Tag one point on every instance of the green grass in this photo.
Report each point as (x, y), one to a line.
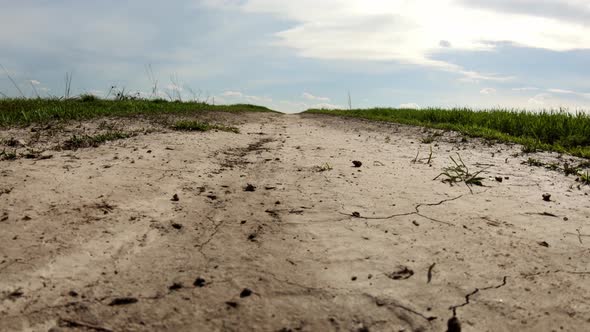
(555, 131)
(8, 155)
(23, 112)
(459, 172)
(86, 141)
(189, 125)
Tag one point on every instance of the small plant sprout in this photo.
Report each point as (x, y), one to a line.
(459, 172)
(584, 178)
(427, 160)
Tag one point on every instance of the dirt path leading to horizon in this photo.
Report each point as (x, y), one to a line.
(163, 232)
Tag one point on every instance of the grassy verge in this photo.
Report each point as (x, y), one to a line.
(186, 125)
(554, 131)
(22, 112)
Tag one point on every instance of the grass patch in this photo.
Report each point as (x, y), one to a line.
(186, 125)
(534, 162)
(8, 155)
(23, 112)
(555, 131)
(86, 141)
(459, 172)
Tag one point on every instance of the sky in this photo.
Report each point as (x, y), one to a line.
(291, 55)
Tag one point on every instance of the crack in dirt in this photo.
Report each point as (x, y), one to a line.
(579, 235)
(216, 228)
(477, 290)
(416, 212)
(527, 275)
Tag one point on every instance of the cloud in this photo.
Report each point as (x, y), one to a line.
(562, 91)
(409, 105)
(525, 89)
(403, 31)
(540, 99)
(488, 91)
(570, 92)
(232, 94)
(325, 106)
(567, 10)
(444, 43)
(236, 95)
(34, 82)
(309, 96)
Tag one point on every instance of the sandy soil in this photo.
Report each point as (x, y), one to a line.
(94, 239)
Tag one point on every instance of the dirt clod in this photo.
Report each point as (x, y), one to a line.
(403, 273)
(232, 304)
(543, 243)
(547, 197)
(245, 292)
(123, 301)
(177, 226)
(357, 163)
(175, 198)
(250, 188)
(199, 282)
(175, 286)
(16, 294)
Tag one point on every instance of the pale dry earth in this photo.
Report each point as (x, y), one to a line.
(92, 240)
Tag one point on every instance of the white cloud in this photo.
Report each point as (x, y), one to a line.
(488, 91)
(325, 106)
(258, 99)
(412, 32)
(540, 99)
(309, 96)
(232, 94)
(241, 97)
(570, 92)
(526, 88)
(409, 105)
(562, 91)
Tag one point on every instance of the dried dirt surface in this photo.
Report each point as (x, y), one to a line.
(275, 229)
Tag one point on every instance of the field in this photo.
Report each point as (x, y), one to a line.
(139, 215)
(22, 112)
(554, 131)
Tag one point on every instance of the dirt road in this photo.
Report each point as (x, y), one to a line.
(273, 229)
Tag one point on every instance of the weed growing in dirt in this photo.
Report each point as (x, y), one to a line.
(86, 141)
(584, 178)
(534, 162)
(459, 172)
(8, 155)
(421, 160)
(428, 139)
(186, 125)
